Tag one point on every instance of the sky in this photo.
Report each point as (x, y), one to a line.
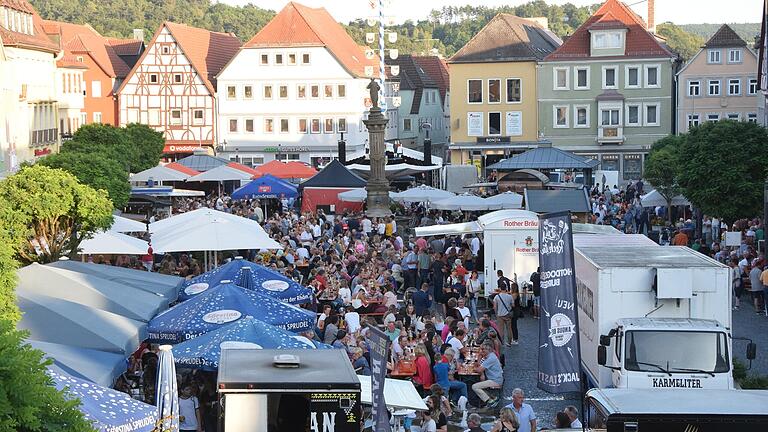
(676, 11)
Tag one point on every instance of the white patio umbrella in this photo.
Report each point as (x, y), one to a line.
(159, 174)
(111, 242)
(123, 225)
(221, 173)
(654, 199)
(465, 202)
(167, 396)
(508, 200)
(422, 193)
(358, 195)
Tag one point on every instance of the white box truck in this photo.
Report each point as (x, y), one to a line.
(654, 317)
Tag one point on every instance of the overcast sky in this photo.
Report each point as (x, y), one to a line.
(677, 11)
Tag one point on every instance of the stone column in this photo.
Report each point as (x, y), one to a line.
(378, 185)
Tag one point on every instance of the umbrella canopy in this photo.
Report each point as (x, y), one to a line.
(508, 200)
(251, 276)
(285, 170)
(160, 174)
(655, 199)
(359, 195)
(266, 186)
(203, 352)
(423, 193)
(221, 173)
(222, 305)
(101, 367)
(209, 230)
(113, 243)
(465, 202)
(167, 395)
(123, 224)
(109, 410)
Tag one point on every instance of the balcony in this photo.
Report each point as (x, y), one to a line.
(610, 135)
(44, 136)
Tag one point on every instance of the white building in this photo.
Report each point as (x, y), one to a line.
(69, 94)
(290, 95)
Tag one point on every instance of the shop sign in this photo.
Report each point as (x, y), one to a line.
(493, 139)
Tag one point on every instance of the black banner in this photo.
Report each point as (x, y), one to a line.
(559, 360)
(379, 349)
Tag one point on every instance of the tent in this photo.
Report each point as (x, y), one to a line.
(423, 193)
(203, 352)
(266, 186)
(113, 243)
(260, 278)
(101, 367)
(323, 189)
(123, 225)
(220, 174)
(359, 195)
(221, 305)
(508, 200)
(465, 202)
(161, 173)
(655, 199)
(89, 290)
(286, 170)
(109, 410)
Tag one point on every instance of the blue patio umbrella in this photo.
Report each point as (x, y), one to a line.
(222, 305)
(266, 186)
(203, 352)
(262, 280)
(167, 396)
(108, 410)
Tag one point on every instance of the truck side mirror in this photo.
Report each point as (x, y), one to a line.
(751, 351)
(605, 340)
(602, 355)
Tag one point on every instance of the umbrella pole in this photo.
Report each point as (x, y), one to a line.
(205, 260)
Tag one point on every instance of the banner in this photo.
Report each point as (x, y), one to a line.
(559, 360)
(379, 348)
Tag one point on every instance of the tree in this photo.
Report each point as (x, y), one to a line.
(96, 171)
(57, 211)
(661, 169)
(722, 167)
(682, 42)
(106, 140)
(149, 145)
(8, 309)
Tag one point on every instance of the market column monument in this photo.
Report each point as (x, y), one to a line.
(378, 186)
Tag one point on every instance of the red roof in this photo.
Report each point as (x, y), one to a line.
(126, 47)
(181, 168)
(297, 25)
(70, 62)
(36, 41)
(19, 5)
(612, 14)
(285, 170)
(437, 69)
(84, 39)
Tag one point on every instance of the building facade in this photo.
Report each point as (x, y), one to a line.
(172, 86)
(69, 93)
(493, 90)
(291, 95)
(607, 92)
(719, 82)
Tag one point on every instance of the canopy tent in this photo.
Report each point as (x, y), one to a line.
(398, 394)
(155, 283)
(161, 173)
(49, 319)
(465, 202)
(109, 410)
(414, 157)
(122, 225)
(286, 170)
(423, 193)
(359, 195)
(221, 173)
(113, 243)
(545, 157)
(392, 171)
(90, 291)
(508, 200)
(203, 352)
(200, 161)
(259, 278)
(655, 199)
(221, 305)
(101, 367)
(323, 189)
(266, 186)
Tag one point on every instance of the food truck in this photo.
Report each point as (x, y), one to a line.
(288, 390)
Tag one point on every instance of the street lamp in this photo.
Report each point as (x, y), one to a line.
(342, 150)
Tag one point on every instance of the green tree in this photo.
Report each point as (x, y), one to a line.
(96, 171)
(8, 308)
(107, 140)
(58, 211)
(661, 168)
(682, 42)
(722, 167)
(149, 145)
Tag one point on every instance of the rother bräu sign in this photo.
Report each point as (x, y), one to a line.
(559, 361)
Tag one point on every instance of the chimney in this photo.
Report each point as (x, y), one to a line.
(138, 34)
(651, 16)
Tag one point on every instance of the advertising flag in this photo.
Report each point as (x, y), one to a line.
(379, 349)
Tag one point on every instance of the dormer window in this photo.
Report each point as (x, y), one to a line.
(16, 21)
(608, 42)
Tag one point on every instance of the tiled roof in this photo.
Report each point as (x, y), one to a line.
(508, 38)
(207, 51)
(83, 39)
(126, 47)
(725, 37)
(297, 25)
(19, 5)
(639, 42)
(36, 41)
(69, 61)
(437, 69)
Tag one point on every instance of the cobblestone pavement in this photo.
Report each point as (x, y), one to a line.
(746, 323)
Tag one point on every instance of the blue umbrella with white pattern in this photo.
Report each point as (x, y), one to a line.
(107, 409)
(167, 396)
(203, 352)
(222, 305)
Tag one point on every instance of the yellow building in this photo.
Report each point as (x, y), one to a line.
(493, 96)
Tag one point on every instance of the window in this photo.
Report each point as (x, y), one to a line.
(693, 120)
(581, 116)
(406, 124)
(95, 89)
(475, 91)
(231, 92)
(752, 117)
(494, 91)
(153, 78)
(303, 127)
(284, 126)
(694, 88)
(633, 77)
(166, 50)
(291, 59)
(713, 117)
(561, 78)
(752, 86)
(734, 55)
(341, 125)
(278, 59)
(314, 91)
(233, 125)
(633, 115)
(328, 91)
(609, 77)
(734, 116)
(582, 78)
(97, 117)
(301, 91)
(652, 76)
(494, 123)
(315, 125)
(561, 116)
(176, 117)
(607, 40)
(269, 125)
(609, 117)
(734, 87)
(514, 90)
(283, 92)
(249, 125)
(713, 87)
(198, 117)
(341, 91)
(248, 92)
(328, 126)
(652, 114)
(265, 59)
(714, 56)
(177, 78)
(267, 92)
(305, 58)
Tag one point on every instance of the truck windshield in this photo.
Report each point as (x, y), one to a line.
(676, 351)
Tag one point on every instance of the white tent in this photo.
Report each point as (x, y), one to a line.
(111, 242)
(465, 202)
(159, 174)
(422, 193)
(359, 195)
(654, 199)
(392, 171)
(156, 283)
(508, 200)
(221, 173)
(123, 225)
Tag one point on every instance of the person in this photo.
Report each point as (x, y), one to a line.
(490, 368)
(148, 259)
(428, 424)
(524, 412)
(507, 421)
(441, 421)
(352, 319)
(473, 292)
(562, 421)
(442, 377)
(680, 239)
(341, 340)
(503, 304)
(464, 312)
(189, 411)
(422, 301)
(331, 328)
(423, 378)
(573, 417)
(536, 285)
(359, 362)
(736, 283)
(756, 285)
(764, 280)
(392, 331)
(474, 422)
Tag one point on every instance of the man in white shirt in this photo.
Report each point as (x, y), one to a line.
(381, 227)
(573, 414)
(474, 245)
(464, 311)
(366, 225)
(306, 237)
(525, 414)
(189, 411)
(457, 341)
(352, 319)
(303, 253)
(317, 230)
